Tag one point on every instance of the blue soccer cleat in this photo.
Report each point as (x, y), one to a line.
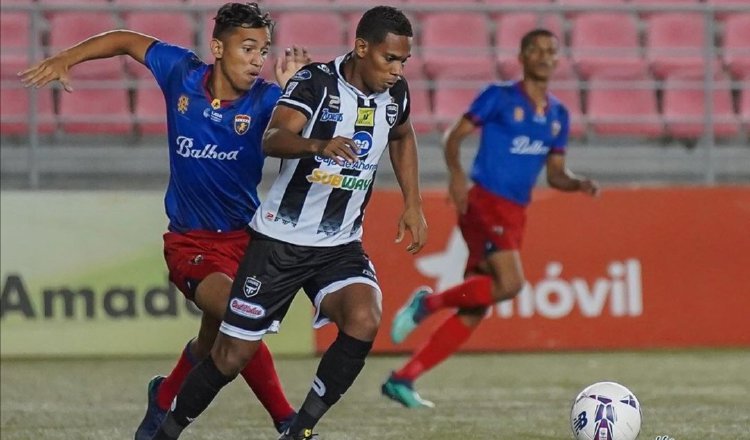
(154, 415)
(409, 316)
(403, 392)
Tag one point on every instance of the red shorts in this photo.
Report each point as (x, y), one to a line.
(491, 223)
(193, 256)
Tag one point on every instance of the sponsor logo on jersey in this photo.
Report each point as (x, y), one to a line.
(518, 114)
(251, 287)
(327, 115)
(349, 183)
(556, 126)
(324, 68)
(290, 88)
(365, 117)
(182, 104)
(302, 75)
(241, 124)
(185, 149)
(524, 145)
(212, 115)
(246, 309)
(363, 140)
(358, 165)
(391, 113)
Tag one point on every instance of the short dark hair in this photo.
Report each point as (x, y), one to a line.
(530, 36)
(379, 21)
(247, 15)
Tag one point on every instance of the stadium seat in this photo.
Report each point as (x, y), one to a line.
(684, 106)
(14, 111)
(588, 3)
(737, 45)
(149, 2)
(179, 32)
(320, 32)
(509, 30)
(421, 112)
(101, 111)
(606, 45)
(571, 98)
(722, 14)
(14, 33)
(451, 101)
(622, 108)
(676, 43)
(456, 45)
(150, 112)
(745, 108)
(68, 28)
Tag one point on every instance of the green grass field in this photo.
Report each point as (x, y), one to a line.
(686, 395)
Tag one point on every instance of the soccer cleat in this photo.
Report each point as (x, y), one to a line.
(283, 425)
(409, 316)
(154, 415)
(403, 393)
(305, 434)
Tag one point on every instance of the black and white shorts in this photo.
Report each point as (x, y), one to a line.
(271, 274)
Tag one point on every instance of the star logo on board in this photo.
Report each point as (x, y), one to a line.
(447, 266)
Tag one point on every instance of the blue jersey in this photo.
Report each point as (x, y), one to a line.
(516, 139)
(215, 154)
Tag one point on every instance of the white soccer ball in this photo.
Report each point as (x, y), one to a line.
(606, 411)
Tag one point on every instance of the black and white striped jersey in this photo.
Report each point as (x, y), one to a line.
(314, 201)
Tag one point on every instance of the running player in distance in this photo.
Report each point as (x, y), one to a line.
(523, 129)
(212, 191)
(330, 127)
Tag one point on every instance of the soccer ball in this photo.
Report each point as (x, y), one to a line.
(605, 411)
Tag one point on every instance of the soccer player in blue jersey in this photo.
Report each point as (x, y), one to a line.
(523, 129)
(216, 115)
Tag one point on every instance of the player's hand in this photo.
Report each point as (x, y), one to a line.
(51, 69)
(590, 187)
(340, 149)
(458, 192)
(413, 219)
(294, 59)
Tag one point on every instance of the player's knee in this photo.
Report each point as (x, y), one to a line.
(230, 358)
(362, 322)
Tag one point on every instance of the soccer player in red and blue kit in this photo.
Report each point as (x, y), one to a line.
(523, 128)
(216, 115)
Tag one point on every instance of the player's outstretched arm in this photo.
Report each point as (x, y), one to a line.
(561, 178)
(282, 139)
(105, 45)
(458, 186)
(403, 151)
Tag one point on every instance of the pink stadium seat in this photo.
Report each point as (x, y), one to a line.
(150, 112)
(14, 33)
(509, 30)
(103, 111)
(179, 32)
(585, 3)
(451, 101)
(68, 28)
(684, 108)
(571, 98)
(737, 45)
(149, 2)
(295, 28)
(606, 45)
(414, 69)
(721, 14)
(675, 43)
(745, 107)
(14, 108)
(421, 113)
(456, 45)
(617, 108)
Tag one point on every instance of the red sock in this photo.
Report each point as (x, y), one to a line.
(475, 291)
(260, 375)
(172, 383)
(444, 342)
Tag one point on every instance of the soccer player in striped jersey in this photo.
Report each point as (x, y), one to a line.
(524, 128)
(330, 128)
(216, 115)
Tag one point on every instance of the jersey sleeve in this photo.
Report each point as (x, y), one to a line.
(162, 59)
(303, 91)
(485, 105)
(560, 142)
(406, 106)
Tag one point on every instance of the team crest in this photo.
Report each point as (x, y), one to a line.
(182, 104)
(366, 117)
(518, 114)
(251, 287)
(391, 113)
(555, 128)
(241, 124)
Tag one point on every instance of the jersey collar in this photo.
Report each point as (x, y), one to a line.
(339, 63)
(532, 104)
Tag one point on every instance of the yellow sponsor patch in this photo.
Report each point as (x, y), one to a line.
(366, 117)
